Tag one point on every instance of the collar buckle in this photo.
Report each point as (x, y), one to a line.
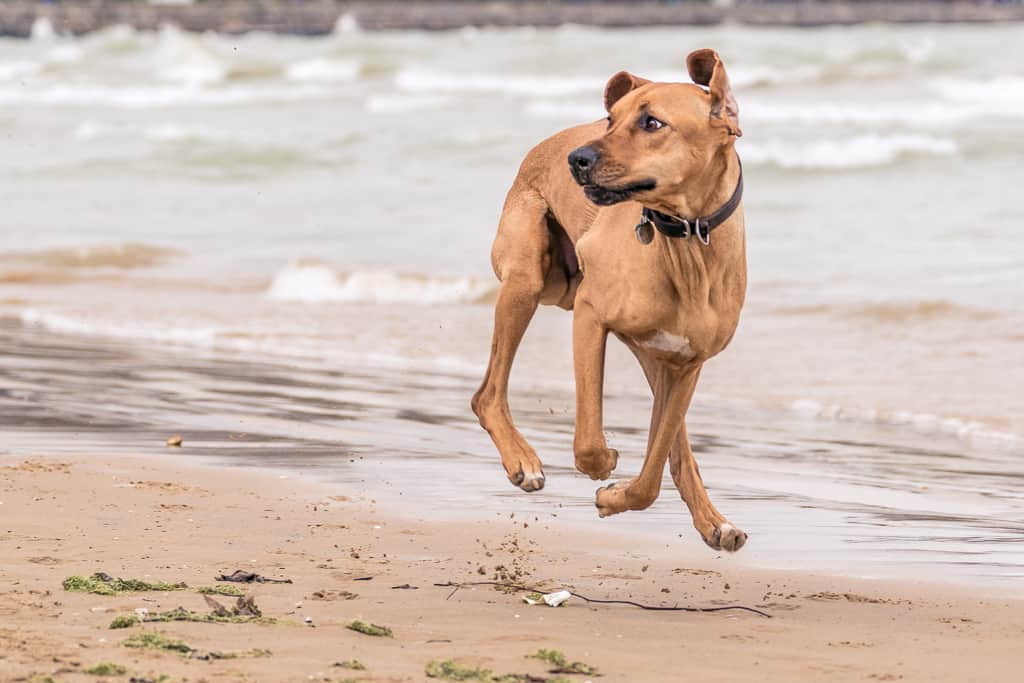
(703, 232)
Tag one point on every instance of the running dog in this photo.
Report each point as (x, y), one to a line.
(640, 235)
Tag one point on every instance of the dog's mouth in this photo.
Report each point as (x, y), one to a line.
(606, 196)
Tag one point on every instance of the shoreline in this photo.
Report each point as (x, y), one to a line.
(319, 17)
(349, 557)
(798, 487)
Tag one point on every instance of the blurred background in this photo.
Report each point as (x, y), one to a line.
(314, 187)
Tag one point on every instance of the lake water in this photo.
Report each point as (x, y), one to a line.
(297, 231)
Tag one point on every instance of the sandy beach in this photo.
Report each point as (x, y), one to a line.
(276, 246)
(348, 558)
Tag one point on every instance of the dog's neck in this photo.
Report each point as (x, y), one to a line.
(709, 189)
(696, 268)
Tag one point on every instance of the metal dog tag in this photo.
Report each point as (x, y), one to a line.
(644, 231)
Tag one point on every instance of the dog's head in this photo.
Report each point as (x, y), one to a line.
(660, 135)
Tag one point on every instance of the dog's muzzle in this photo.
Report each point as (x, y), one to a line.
(582, 161)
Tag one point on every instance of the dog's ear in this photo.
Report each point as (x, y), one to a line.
(620, 84)
(706, 68)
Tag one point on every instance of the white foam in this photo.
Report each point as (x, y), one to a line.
(14, 70)
(393, 104)
(417, 79)
(930, 113)
(57, 322)
(314, 283)
(1005, 91)
(182, 58)
(42, 29)
(926, 423)
(574, 111)
(171, 132)
(420, 80)
(323, 71)
(148, 97)
(65, 55)
(347, 25)
(861, 151)
(89, 130)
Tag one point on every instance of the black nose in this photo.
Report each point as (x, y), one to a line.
(581, 162)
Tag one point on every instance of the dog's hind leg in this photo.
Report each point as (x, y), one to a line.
(712, 525)
(589, 341)
(521, 259)
(673, 389)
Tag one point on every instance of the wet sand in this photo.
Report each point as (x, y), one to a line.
(845, 498)
(366, 494)
(349, 557)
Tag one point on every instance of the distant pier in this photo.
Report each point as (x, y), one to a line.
(318, 17)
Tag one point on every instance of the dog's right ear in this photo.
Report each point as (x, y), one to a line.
(620, 84)
(706, 68)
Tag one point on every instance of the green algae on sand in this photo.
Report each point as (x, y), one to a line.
(104, 584)
(182, 614)
(448, 670)
(106, 669)
(152, 640)
(562, 665)
(360, 626)
(353, 664)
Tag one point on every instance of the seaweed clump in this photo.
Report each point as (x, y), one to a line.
(562, 665)
(151, 640)
(363, 627)
(105, 584)
(124, 621)
(107, 669)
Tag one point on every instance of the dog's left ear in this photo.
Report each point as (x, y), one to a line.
(620, 84)
(706, 68)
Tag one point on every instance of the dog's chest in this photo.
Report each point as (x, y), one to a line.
(638, 295)
(666, 342)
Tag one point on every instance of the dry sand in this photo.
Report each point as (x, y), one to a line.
(165, 521)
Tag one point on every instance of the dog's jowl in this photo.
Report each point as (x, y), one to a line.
(640, 235)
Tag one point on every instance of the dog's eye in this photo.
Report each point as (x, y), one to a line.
(650, 123)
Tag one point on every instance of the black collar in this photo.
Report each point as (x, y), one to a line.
(682, 227)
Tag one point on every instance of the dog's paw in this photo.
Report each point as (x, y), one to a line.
(526, 475)
(528, 481)
(598, 464)
(611, 499)
(726, 537)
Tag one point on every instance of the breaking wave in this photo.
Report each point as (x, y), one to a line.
(123, 256)
(926, 423)
(323, 70)
(314, 283)
(153, 96)
(421, 80)
(862, 151)
(893, 311)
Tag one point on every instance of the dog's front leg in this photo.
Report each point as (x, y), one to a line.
(712, 525)
(589, 340)
(520, 256)
(673, 389)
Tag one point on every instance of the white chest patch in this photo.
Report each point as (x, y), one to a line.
(671, 343)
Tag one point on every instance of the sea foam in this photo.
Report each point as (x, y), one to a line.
(860, 151)
(319, 283)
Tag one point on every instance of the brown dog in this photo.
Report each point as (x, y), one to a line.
(673, 297)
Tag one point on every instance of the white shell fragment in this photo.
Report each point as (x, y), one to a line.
(557, 598)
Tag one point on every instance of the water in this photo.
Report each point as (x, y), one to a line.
(330, 202)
